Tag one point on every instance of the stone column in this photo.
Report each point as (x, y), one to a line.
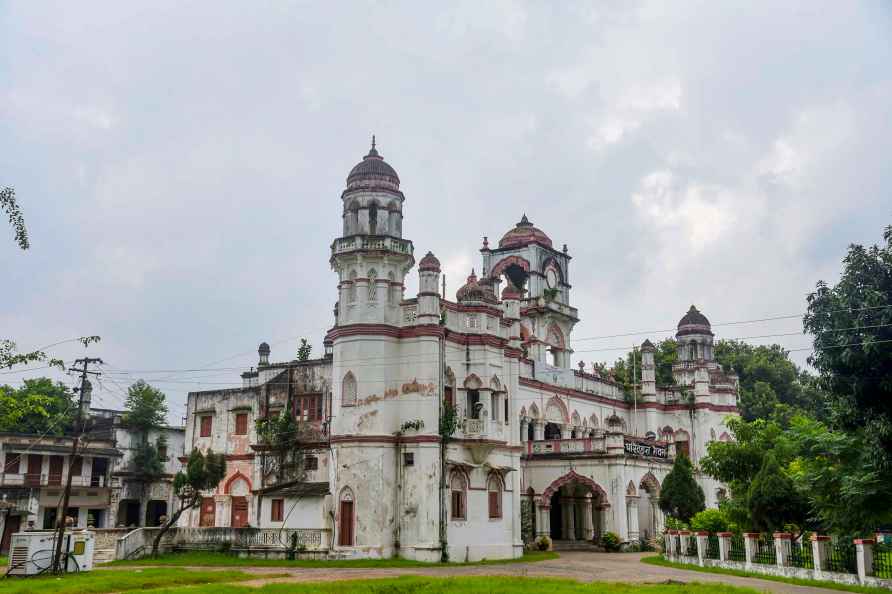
(820, 553)
(632, 517)
(671, 543)
(588, 529)
(523, 430)
(702, 537)
(538, 430)
(569, 517)
(604, 519)
(543, 521)
(783, 548)
(750, 542)
(724, 545)
(864, 557)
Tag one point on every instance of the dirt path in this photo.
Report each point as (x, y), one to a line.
(582, 566)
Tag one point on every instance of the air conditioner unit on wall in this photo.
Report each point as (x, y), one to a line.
(31, 553)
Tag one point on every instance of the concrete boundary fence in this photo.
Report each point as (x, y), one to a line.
(861, 563)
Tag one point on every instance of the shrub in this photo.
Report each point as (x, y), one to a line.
(675, 524)
(543, 543)
(611, 542)
(711, 520)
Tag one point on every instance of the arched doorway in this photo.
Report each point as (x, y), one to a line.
(552, 431)
(649, 514)
(154, 510)
(575, 503)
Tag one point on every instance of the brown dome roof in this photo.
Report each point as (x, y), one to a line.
(471, 290)
(429, 262)
(693, 322)
(371, 170)
(524, 233)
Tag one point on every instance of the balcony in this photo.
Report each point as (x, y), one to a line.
(51, 480)
(565, 446)
(371, 242)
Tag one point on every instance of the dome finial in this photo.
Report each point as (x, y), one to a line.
(373, 142)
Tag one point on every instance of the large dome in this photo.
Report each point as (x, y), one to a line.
(694, 322)
(373, 170)
(524, 233)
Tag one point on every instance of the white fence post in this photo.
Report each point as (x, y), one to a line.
(820, 554)
(702, 546)
(783, 548)
(750, 542)
(724, 545)
(864, 556)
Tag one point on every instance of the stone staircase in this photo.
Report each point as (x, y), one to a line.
(576, 545)
(103, 555)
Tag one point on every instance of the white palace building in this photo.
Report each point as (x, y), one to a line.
(538, 448)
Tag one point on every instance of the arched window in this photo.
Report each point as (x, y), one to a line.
(345, 518)
(373, 285)
(348, 390)
(351, 219)
(494, 492)
(373, 219)
(392, 295)
(458, 487)
(552, 431)
(531, 431)
(693, 347)
(351, 288)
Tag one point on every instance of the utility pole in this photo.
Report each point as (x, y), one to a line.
(83, 410)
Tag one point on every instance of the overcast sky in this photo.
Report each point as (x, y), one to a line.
(180, 167)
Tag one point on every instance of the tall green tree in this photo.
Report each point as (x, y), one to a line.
(304, 350)
(203, 473)
(39, 406)
(680, 496)
(146, 411)
(773, 500)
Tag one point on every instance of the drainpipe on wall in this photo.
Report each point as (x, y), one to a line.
(444, 550)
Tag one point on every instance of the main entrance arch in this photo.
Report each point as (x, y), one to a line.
(573, 508)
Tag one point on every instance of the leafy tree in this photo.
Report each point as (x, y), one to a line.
(39, 406)
(665, 356)
(9, 205)
(767, 377)
(852, 326)
(773, 500)
(844, 476)
(681, 497)
(203, 473)
(304, 350)
(711, 520)
(146, 411)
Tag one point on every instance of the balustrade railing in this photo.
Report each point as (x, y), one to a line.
(247, 538)
(565, 446)
(349, 244)
(53, 479)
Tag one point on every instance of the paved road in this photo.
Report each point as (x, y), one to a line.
(582, 566)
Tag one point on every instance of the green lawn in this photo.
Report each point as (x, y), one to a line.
(658, 560)
(97, 582)
(462, 585)
(213, 559)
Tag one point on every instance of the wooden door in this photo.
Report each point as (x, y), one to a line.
(239, 518)
(345, 524)
(35, 464)
(208, 514)
(56, 463)
(13, 523)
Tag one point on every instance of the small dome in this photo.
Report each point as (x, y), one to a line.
(429, 262)
(647, 345)
(373, 170)
(471, 291)
(263, 349)
(524, 233)
(694, 322)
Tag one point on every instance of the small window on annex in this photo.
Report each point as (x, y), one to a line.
(458, 492)
(241, 424)
(206, 424)
(311, 463)
(277, 507)
(494, 492)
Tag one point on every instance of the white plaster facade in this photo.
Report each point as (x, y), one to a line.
(529, 428)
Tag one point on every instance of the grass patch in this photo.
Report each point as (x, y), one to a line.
(465, 585)
(657, 560)
(215, 559)
(98, 582)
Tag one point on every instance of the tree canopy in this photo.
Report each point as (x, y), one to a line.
(39, 406)
(146, 407)
(680, 496)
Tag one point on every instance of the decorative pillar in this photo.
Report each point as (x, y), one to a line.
(538, 430)
(750, 542)
(820, 549)
(604, 519)
(702, 537)
(588, 530)
(724, 545)
(543, 523)
(864, 557)
(632, 517)
(568, 506)
(524, 424)
(783, 548)
(671, 543)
